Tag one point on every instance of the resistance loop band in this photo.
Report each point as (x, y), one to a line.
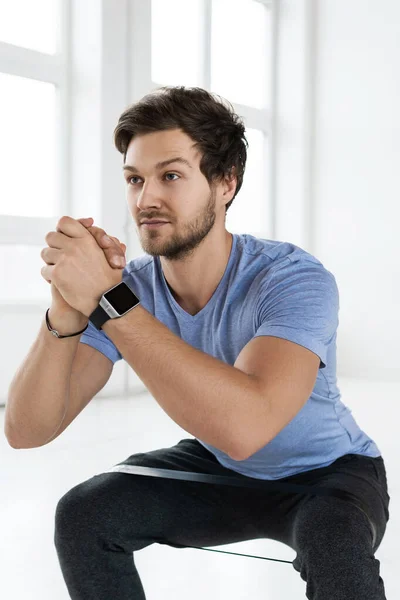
(249, 482)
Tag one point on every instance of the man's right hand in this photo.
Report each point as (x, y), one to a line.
(61, 315)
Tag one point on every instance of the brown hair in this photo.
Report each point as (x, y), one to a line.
(218, 132)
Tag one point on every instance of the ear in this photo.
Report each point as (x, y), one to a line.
(230, 183)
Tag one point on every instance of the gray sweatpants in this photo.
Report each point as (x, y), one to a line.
(101, 522)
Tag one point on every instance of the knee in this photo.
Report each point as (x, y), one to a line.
(75, 511)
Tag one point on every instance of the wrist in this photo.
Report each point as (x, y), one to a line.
(67, 323)
(112, 282)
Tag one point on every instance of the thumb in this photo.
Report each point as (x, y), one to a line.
(86, 222)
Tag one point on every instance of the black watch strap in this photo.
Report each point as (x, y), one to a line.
(99, 317)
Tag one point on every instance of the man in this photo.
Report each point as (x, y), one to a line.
(235, 338)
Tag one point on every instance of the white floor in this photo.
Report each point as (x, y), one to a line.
(108, 431)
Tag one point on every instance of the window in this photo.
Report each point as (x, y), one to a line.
(37, 30)
(176, 50)
(224, 47)
(27, 147)
(33, 124)
(239, 51)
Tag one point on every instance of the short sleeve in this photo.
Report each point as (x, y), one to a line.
(300, 303)
(99, 340)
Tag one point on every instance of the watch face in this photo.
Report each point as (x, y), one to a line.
(121, 298)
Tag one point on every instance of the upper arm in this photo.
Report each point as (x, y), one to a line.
(90, 372)
(285, 374)
(296, 319)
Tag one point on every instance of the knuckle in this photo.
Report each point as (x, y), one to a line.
(118, 244)
(44, 274)
(61, 222)
(97, 232)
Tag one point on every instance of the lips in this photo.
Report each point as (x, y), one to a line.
(153, 222)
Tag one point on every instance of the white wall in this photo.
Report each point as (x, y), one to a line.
(338, 157)
(357, 177)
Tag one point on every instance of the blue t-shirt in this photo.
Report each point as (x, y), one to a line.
(268, 288)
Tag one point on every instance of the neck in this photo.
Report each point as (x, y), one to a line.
(194, 279)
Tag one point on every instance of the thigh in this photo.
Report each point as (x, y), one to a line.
(208, 514)
(212, 514)
(365, 479)
(329, 527)
(334, 545)
(134, 510)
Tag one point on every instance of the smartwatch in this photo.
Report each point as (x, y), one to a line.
(114, 303)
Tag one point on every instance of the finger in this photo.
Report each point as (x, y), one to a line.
(99, 235)
(104, 241)
(121, 244)
(86, 222)
(70, 227)
(50, 255)
(47, 273)
(56, 239)
(113, 250)
(115, 256)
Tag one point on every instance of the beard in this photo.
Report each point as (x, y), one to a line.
(181, 245)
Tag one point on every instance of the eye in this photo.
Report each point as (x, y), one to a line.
(129, 179)
(173, 174)
(133, 177)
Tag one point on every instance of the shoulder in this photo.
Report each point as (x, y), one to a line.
(275, 251)
(281, 263)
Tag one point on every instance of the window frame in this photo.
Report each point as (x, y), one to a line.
(262, 119)
(54, 69)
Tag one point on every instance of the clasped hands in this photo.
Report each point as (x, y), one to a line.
(79, 262)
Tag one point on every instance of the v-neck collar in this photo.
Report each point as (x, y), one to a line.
(177, 307)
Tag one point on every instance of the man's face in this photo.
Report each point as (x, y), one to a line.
(178, 193)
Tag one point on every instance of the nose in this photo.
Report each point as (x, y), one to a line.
(149, 197)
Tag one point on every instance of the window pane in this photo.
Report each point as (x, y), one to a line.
(249, 210)
(240, 51)
(20, 267)
(27, 147)
(177, 32)
(30, 24)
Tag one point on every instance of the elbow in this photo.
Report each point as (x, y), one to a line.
(238, 454)
(17, 443)
(11, 439)
(8, 436)
(9, 432)
(12, 443)
(244, 453)
(21, 446)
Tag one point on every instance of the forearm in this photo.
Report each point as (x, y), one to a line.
(203, 395)
(38, 394)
